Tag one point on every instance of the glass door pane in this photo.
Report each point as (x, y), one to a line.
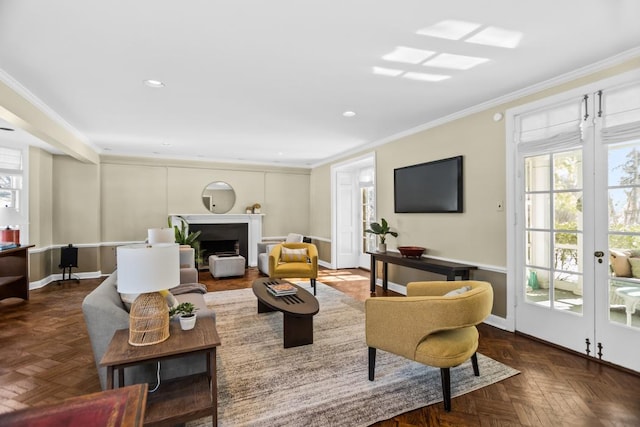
(624, 233)
(553, 229)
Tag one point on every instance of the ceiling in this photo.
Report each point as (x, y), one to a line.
(268, 82)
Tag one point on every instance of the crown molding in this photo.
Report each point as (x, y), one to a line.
(510, 97)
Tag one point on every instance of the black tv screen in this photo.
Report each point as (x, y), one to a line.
(431, 187)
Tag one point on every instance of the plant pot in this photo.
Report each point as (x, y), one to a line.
(188, 322)
(382, 247)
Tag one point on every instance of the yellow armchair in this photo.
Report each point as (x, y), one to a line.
(294, 260)
(428, 327)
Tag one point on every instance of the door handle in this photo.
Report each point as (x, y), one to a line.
(599, 255)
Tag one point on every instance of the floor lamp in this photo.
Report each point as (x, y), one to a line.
(145, 270)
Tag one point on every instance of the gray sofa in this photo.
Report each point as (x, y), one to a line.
(104, 313)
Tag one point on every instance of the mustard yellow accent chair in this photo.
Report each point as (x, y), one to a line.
(294, 260)
(429, 327)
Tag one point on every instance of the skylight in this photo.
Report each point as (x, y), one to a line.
(408, 55)
(449, 29)
(391, 72)
(498, 37)
(455, 62)
(425, 77)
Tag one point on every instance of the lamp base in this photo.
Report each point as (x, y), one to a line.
(10, 235)
(148, 320)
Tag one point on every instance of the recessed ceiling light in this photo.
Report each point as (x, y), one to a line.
(154, 83)
(408, 55)
(425, 77)
(7, 129)
(498, 37)
(392, 72)
(449, 29)
(455, 62)
(349, 113)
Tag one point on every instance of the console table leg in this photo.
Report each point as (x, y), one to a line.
(372, 275)
(385, 275)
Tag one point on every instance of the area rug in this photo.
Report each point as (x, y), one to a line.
(260, 383)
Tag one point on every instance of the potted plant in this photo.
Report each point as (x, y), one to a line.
(183, 237)
(186, 311)
(256, 208)
(381, 230)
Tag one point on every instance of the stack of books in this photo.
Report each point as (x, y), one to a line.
(8, 245)
(281, 289)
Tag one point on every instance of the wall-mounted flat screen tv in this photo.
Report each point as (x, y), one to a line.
(432, 187)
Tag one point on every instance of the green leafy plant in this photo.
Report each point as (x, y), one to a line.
(183, 237)
(184, 309)
(381, 230)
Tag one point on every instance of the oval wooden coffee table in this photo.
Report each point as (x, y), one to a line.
(297, 309)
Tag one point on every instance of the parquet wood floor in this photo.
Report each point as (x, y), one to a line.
(45, 357)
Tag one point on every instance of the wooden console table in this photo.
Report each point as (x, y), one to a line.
(449, 269)
(14, 272)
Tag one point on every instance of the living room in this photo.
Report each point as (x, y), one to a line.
(98, 205)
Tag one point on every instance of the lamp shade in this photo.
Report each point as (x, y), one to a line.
(161, 235)
(148, 268)
(10, 216)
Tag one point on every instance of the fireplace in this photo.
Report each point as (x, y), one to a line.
(222, 239)
(251, 223)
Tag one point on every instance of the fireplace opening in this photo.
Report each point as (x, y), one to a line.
(221, 240)
(219, 247)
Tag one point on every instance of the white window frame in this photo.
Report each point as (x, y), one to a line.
(23, 207)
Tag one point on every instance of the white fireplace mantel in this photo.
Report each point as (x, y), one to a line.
(254, 222)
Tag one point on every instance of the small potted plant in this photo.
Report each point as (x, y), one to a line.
(381, 230)
(186, 311)
(256, 208)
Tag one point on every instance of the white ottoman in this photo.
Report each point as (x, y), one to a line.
(226, 266)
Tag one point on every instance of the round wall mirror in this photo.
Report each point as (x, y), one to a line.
(218, 197)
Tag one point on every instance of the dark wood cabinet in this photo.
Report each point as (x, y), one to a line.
(14, 272)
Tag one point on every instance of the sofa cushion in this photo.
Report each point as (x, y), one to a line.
(293, 255)
(635, 266)
(620, 263)
(458, 291)
(128, 299)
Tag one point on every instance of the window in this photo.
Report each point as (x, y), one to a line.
(11, 177)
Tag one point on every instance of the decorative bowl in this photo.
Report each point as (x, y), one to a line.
(411, 251)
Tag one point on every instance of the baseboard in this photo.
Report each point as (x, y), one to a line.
(58, 277)
(498, 322)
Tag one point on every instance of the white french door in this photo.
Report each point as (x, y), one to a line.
(617, 186)
(353, 195)
(577, 204)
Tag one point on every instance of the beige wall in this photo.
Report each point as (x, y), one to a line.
(479, 234)
(40, 197)
(120, 198)
(76, 201)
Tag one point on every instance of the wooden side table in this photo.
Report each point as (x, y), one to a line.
(123, 407)
(177, 400)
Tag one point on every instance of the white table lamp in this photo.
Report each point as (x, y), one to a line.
(145, 270)
(161, 235)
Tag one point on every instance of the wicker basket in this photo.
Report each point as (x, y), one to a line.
(148, 320)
